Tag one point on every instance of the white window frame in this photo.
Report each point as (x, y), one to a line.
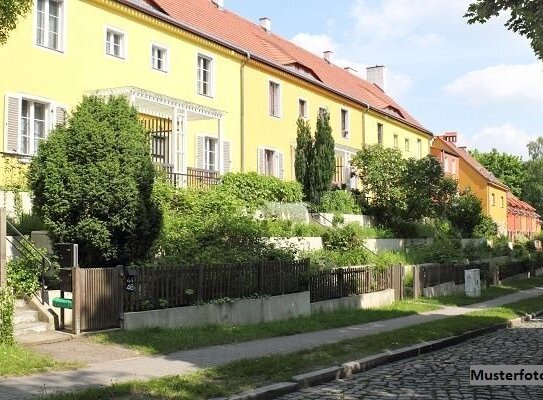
(306, 108)
(380, 133)
(275, 167)
(207, 152)
(165, 60)
(48, 123)
(124, 43)
(345, 133)
(279, 99)
(407, 145)
(62, 27)
(211, 74)
(396, 142)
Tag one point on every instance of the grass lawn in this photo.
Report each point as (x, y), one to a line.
(16, 361)
(488, 294)
(244, 375)
(161, 341)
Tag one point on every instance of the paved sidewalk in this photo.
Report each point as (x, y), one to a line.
(183, 362)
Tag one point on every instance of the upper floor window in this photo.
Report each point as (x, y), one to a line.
(380, 133)
(302, 108)
(33, 127)
(344, 123)
(210, 154)
(205, 74)
(322, 112)
(115, 43)
(49, 23)
(502, 203)
(396, 141)
(159, 58)
(493, 199)
(406, 144)
(275, 99)
(419, 148)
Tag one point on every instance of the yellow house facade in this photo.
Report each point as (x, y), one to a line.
(471, 174)
(213, 102)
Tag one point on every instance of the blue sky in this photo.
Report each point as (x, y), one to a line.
(480, 80)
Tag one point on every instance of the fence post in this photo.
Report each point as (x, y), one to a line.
(76, 299)
(417, 281)
(121, 288)
(200, 294)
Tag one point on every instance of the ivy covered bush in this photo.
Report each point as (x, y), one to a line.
(256, 189)
(339, 201)
(92, 182)
(23, 274)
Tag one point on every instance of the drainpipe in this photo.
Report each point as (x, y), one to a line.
(242, 109)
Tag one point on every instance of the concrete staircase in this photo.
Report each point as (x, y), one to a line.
(26, 320)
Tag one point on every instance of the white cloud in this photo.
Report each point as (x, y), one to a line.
(521, 83)
(505, 138)
(316, 44)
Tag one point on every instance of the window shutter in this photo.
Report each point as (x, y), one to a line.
(280, 169)
(12, 122)
(60, 115)
(261, 161)
(200, 156)
(225, 156)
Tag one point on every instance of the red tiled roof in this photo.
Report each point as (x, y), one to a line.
(476, 165)
(222, 24)
(515, 203)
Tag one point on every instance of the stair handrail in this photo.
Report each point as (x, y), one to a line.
(30, 249)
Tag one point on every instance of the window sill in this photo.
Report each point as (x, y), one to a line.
(164, 71)
(116, 57)
(275, 116)
(47, 48)
(209, 96)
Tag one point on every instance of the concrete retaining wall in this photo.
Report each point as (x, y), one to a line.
(11, 250)
(7, 201)
(538, 272)
(444, 289)
(361, 301)
(41, 240)
(297, 243)
(326, 219)
(251, 311)
(475, 242)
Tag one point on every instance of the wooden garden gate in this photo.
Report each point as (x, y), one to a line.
(98, 299)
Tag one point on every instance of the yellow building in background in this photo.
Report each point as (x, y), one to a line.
(217, 92)
(471, 174)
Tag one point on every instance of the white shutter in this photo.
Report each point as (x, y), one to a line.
(225, 156)
(61, 115)
(261, 161)
(200, 155)
(280, 167)
(12, 122)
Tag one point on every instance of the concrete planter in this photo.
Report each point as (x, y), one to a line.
(361, 301)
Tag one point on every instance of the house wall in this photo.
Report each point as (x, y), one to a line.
(83, 67)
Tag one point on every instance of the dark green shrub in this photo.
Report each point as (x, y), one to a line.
(339, 258)
(6, 316)
(339, 201)
(442, 250)
(23, 274)
(465, 213)
(487, 228)
(25, 224)
(92, 181)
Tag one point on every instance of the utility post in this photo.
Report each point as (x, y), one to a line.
(3, 273)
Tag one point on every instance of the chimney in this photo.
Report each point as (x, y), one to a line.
(218, 3)
(351, 70)
(376, 75)
(265, 23)
(328, 55)
(450, 137)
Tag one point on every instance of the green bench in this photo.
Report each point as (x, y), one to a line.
(61, 302)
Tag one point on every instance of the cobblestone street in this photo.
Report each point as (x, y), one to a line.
(444, 374)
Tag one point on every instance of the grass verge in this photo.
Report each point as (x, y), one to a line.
(163, 341)
(243, 375)
(488, 294)
(17, 361)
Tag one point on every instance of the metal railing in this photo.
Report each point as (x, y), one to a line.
(27, 249)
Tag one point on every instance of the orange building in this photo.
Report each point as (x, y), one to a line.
(522, 218)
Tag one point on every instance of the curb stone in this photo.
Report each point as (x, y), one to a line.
(357, 366)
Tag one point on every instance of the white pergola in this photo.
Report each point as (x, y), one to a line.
(179, 111)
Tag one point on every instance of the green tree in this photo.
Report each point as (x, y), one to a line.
(304, 155)
(323, 163)
(92, 181)
(465, 213)
(428, 191)
(10, 11)
(532, 190)
(508, 168)
(381, 171)
(525, 18)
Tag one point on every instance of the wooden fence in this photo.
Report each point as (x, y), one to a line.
(151, 288)
(343, 282)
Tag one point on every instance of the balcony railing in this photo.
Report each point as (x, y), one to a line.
(194, 178)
